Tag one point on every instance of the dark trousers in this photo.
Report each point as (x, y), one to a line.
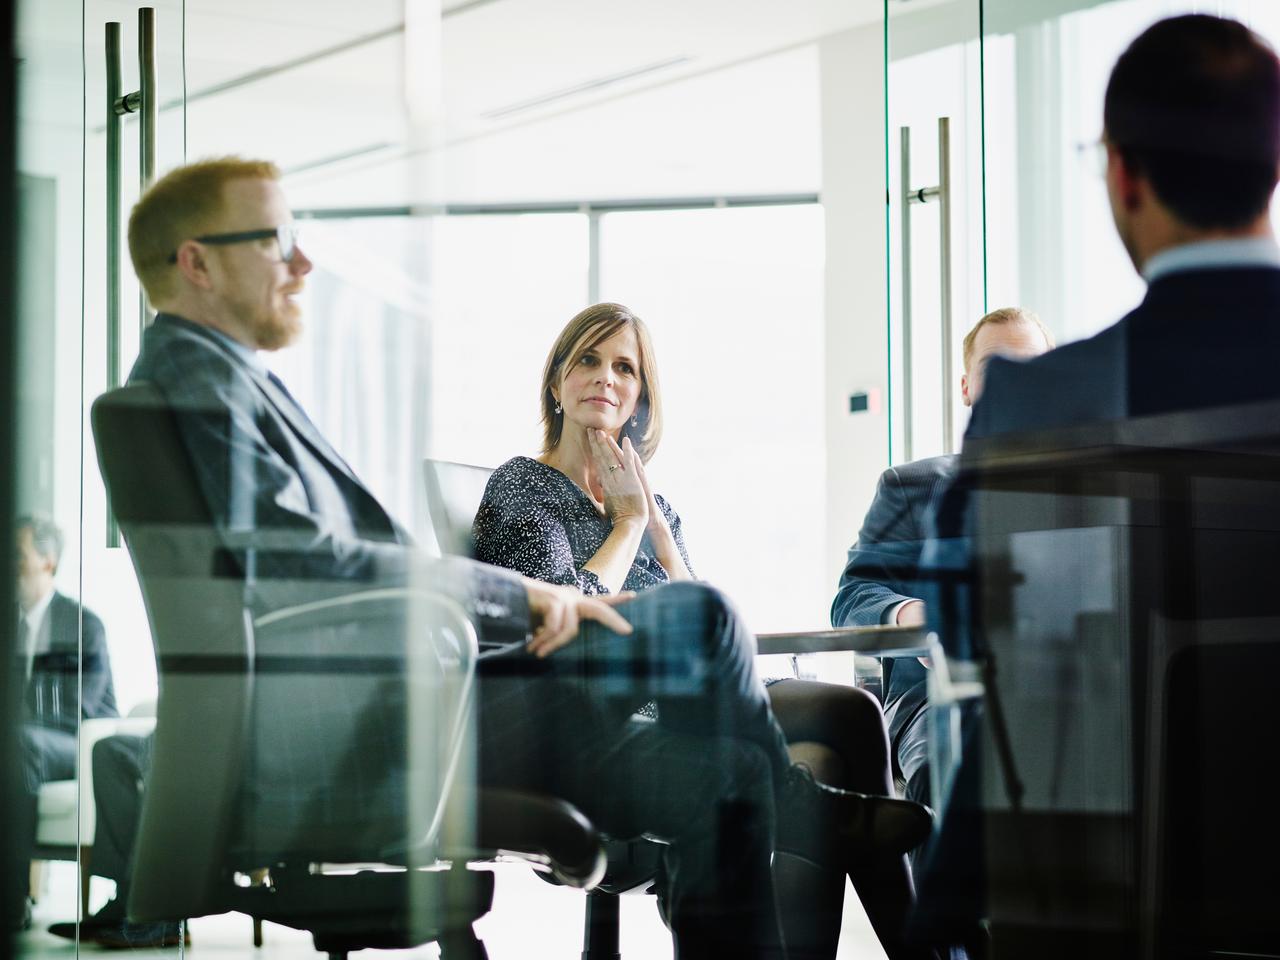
(47, 754)
(701, 777)
(120, 765)
(912, 749)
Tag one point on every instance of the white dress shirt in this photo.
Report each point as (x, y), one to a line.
(36, 621)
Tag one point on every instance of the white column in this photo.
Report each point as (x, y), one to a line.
(853, 197)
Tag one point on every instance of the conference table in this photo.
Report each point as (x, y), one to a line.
(878, 641)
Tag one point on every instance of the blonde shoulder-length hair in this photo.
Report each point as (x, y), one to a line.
(590, 328)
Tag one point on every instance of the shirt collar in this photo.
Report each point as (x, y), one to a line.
(35, 616)
(1213, 255)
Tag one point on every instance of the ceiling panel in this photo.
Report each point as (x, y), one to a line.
(602, 65)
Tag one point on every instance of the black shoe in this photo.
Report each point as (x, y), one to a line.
(134, 936)
(21, 919)
(109, 917)
(825, 824)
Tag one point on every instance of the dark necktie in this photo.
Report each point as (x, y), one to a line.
(22, 645)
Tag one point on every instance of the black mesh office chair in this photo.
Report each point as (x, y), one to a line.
(279, 751)
(1126, 589)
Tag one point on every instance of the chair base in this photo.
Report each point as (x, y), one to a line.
(600, 931)
(378, 910)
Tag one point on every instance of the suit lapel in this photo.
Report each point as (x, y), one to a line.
(287, 408)
(284, 405)
(301, 424)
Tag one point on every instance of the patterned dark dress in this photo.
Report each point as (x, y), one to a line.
(536, 521)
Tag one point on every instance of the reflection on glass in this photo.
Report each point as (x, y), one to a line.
(45, 831)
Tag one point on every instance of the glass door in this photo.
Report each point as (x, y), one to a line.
(89, 671)
(110, 94)
(934, 157)
(1051, 244)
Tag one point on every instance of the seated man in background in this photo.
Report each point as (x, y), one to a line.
(60, 688)
(214, 247)
(879, 584)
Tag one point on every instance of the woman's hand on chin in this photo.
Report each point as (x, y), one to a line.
(659, 531)
(619, 471)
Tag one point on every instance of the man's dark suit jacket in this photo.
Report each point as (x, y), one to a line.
(298, 526)
(278, 489)
(55, 683)
(882, 572)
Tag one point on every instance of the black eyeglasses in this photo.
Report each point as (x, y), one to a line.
(286, 237)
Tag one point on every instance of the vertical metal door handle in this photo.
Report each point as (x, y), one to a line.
(142, 101)
(113, 206)
(912, 195)
(908, 405)
(113, 234)
(944, 260)
(146, 122)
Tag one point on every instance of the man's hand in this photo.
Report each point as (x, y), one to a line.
(558, 611)
(911, 614)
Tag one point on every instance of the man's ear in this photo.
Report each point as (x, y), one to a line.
(1129, 183)
(193, 265)
(964, 390)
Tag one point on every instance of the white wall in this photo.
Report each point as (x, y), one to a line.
(853, 194)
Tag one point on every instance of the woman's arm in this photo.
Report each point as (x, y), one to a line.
(668, 546)
(675, 557)
(612, 562)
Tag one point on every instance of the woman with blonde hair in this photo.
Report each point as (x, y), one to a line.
(583, 514)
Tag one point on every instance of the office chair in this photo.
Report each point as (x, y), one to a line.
(1125, 589)
(284, 784)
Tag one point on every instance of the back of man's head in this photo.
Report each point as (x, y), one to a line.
(1194, 106)
(180, 205)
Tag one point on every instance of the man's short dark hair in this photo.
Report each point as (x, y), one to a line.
(1194, 106)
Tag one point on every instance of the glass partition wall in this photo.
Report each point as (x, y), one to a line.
(1026, 223)
(110, 95)
(1021, 85)
(468, 175)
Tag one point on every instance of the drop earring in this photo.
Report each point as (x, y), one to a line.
(635, 421)
(559, 409)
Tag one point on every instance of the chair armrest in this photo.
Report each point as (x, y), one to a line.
(951, 685)
(91, 731)
(545, 826)
(885, 641)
